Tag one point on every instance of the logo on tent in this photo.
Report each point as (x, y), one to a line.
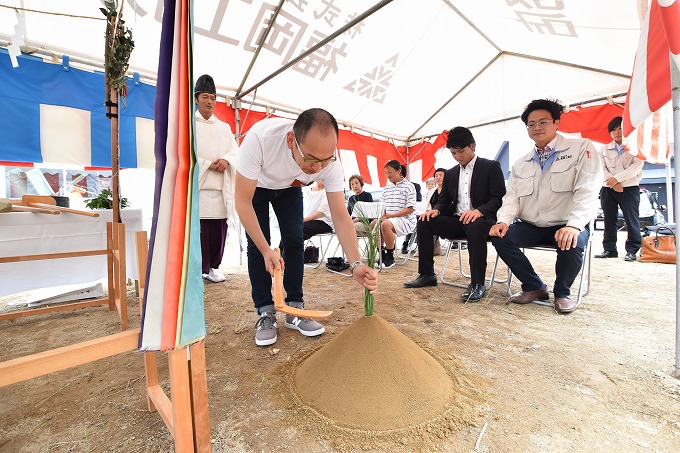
(374, 84)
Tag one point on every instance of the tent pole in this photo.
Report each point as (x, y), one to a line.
(675, 83)
(319, 45)
(259, 46)
(669, 190)
(408, 162)
(236, 105)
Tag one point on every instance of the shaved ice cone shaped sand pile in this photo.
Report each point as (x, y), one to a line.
(371, 385)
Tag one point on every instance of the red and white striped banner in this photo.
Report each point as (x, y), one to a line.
(650, 140)
(650, 85)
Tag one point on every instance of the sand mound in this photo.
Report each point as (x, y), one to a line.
(372, 376)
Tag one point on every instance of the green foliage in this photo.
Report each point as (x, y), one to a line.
(105, 201)
(373, 240)
(119, 46)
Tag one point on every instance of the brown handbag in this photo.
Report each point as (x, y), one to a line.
(659, 247)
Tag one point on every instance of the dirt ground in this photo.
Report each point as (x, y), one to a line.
(600, 379)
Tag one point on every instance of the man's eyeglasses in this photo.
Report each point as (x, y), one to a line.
(542, 124)
(314, 160)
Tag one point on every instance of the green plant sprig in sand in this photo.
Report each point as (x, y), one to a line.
(373, 246)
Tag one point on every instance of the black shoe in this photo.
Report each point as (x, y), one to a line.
(630, 257)
(469, 290)
(422, 281)
(607, 254)
(388, 259)
(475, 294)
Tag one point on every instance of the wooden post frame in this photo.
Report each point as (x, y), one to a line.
(42, 363)
(185, 413)
(115, 262)
(188, 396)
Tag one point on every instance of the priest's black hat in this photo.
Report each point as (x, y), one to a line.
(205, 84)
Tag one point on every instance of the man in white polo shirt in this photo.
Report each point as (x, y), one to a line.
(278, 157)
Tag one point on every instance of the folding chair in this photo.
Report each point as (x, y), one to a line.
(323, 249)
(371, 210)
(584, 281)
(411, 251)
(461, 242)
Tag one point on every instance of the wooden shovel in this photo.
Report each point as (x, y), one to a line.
(35, 210)
(43, 201)
(280, 306)
(62, 209)
(16, 205)
(27, 200)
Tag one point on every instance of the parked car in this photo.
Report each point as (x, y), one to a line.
(651, 213)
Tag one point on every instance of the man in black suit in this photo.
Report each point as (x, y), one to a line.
(471, 195)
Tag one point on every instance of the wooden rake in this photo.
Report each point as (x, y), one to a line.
(280, 306)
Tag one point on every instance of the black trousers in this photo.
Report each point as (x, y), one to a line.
(314, 227)
(450, 227)
(629, 202)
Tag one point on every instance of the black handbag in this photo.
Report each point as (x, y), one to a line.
(337, 263)
(311, 254)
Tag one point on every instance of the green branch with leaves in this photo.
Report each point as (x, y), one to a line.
(119, 46)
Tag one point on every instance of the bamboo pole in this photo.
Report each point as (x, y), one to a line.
(115, 156)
(112, 98)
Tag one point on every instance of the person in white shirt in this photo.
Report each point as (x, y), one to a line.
(277, 157)
(311, 197)
(621, 188)
(319, 221)
(552, 191)
(216, 155)
(399, 200)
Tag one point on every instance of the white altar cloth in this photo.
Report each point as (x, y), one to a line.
(25, 233)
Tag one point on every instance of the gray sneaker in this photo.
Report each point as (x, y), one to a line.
(265, 329)
(306, 326)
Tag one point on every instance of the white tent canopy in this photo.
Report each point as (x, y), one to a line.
(408, 69)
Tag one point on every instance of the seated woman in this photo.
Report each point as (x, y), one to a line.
(399, 199)
(431, 186)
(432, 198)
(311, 197)
(317, 217)
(356, 185)
(318, 221)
